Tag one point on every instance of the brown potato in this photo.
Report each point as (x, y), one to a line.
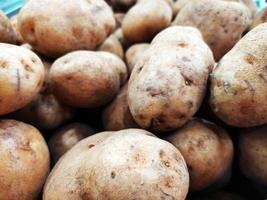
(222, 23)
(22, 76)
(260, 18)
(128, 164)
(145, 19)
(66, 137)
(45, 112)
(238, 93)
(7, 34)
(207, 150)
(14, 23)
(116, 116)
(87, 79)
(24, 162)
(166, 91)
(252, 158)
(112, 45)
(133, 53)
(77, 25)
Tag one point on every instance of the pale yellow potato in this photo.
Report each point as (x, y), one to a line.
(145, 19)
(238, 93)
(207, 150)
(7, 34)
(14, 23)
(260, 18)
(133, 53)
(21, 77)
(77, 25)
(45, 112)
(253, 154)
(128, 164)
(116, 116)
(87, 79)
(168, 82)
(66, 137)
(24, 160)
(222, 23)
(112, 45)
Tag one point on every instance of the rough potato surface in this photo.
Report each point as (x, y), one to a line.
(7, 34)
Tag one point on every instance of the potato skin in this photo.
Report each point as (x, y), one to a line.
(14, 24)
(66, 137)
(21, 77)
(77, 25)
(238, 93)
(87, 79)
(112, 45)
(7, 34)
(207, 150)
(145, 19)
(45, 112)
(165, 93)
(133, 53)
(222, 23)
(252, 158)
(260, 18)
(24, 161)
(117, 116)
(137, 165)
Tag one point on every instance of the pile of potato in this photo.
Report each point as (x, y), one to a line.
(133, 100)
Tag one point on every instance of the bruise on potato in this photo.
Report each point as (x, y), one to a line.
(145, 19)
(112, 45)
(21, 77)
(252, 158)
(24, 160)
(87, 79)
(207, 150)
(165, 92)
(7, 34)
(116, 116)
(77, 25)
(137, 165)
(222, 23)
(238, 82)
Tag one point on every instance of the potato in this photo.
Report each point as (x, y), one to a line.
(119, 35)
(112, 45)
(7, 34)
(87, 79)
(119, 18)
(77, 25)
(133, 53)
(21, 77)
(166, 91)
(238, 82)
(128, 164)
(24, 161)
(253, 151)
(222, 23)
(178, 5)
(45, 112)
(260, 18)
(66, 137)
(144, 20)
(14, 23)
(116, 116)
(207, 150)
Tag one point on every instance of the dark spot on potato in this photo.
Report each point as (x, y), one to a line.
(3, 64)
(27, 76)
(249, 86)
(185, 59)
(132, 146)
(181, 116)
(182, 45)
(168, 182)
(187, 80)
(139, 69)
(235, 19)
(190, 104)
(141, 116)
(69, 78)
(76, 32)
(250, 59)
(161, 153)
(155, 92)
(34, 60)
(18, 80)
(166, 163)
(113, 175)
(225, 30)
(90, 146)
